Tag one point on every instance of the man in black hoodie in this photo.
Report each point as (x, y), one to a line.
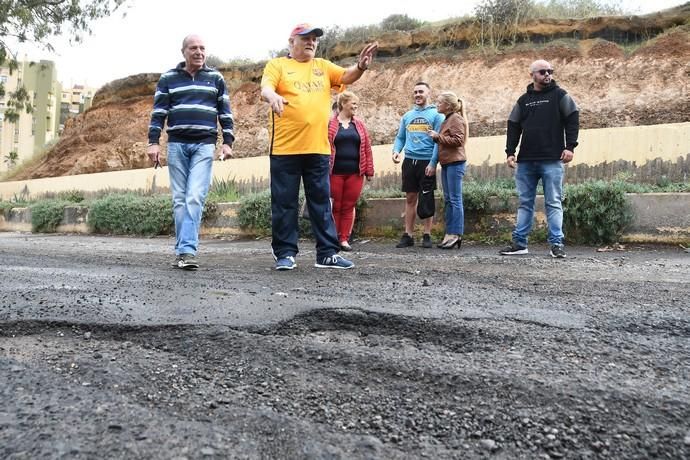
(548, 120)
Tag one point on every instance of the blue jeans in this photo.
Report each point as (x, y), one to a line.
(189, 166)
(314, 171)
(527, 177)
(451, 179)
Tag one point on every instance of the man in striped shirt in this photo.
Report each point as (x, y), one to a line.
(194, 99)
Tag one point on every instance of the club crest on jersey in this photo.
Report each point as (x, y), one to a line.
(419, 124)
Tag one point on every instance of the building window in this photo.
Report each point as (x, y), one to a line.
(3, 79)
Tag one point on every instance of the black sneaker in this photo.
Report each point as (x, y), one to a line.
(186, 262)
(426, 241)
(405, 241)
(557, 251)
(513, 250)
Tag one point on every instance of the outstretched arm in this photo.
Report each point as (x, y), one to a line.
(354, 72)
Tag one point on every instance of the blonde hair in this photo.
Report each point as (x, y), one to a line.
(345, 97)
(457, 105)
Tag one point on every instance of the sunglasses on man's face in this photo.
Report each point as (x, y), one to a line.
(543, 72)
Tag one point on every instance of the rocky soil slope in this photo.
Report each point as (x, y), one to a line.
(622, 71)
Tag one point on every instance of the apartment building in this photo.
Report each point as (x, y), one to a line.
(75, 100)
(32, 131)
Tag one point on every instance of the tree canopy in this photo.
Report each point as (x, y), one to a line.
(36, 21)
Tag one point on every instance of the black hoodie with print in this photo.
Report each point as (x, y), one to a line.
(548, 121)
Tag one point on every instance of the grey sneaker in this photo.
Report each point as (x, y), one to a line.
(286, 263)
(334, 261)
(186, 262)
(426, 241)
(513, 250)
(557, 251)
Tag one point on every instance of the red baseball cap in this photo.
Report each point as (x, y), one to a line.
(306, 29)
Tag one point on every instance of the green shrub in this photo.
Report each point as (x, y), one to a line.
(568, 9)
(73, 196)
(476, 195)
(254, 213)
(595, 212)
(400, 22)
(46, 215)
(130, 214)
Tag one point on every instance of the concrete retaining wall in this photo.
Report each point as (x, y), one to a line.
(658, 217)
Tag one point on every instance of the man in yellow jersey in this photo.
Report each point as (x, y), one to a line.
(298, 89)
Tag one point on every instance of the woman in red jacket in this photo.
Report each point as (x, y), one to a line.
(351, 162)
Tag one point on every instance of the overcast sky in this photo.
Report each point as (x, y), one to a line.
(148, 38)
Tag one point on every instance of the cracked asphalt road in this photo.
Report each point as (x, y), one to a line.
(108, 352)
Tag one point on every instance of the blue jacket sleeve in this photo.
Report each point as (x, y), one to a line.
(225, 117)
(400, 137)
(161, 106)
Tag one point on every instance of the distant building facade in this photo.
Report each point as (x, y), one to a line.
(28, 135)
(75, 100)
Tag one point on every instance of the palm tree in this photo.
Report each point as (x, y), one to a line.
(11, 159)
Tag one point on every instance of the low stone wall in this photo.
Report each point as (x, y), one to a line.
(663, 217)
(658, 217)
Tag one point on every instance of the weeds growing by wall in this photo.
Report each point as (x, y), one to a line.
(6, 206)
(223, 191)
(73, 196)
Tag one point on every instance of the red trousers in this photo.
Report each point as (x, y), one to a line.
(345, 191)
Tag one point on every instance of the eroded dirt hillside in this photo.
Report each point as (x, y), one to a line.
(612, 86)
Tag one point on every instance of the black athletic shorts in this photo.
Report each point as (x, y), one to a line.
(413, 174)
